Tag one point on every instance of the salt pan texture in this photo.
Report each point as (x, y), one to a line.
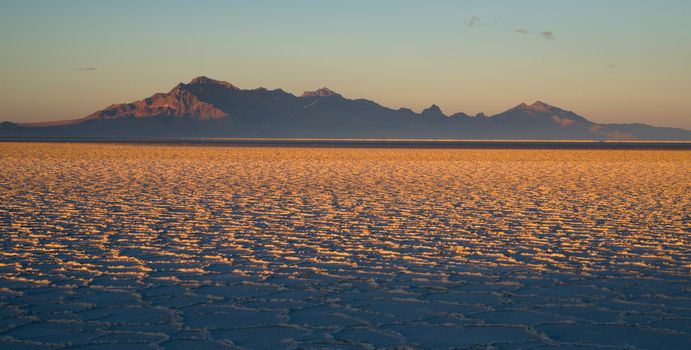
(179, 247)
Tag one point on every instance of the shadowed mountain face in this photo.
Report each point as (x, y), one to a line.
(210, 108)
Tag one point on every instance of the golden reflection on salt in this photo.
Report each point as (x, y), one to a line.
(130, 210)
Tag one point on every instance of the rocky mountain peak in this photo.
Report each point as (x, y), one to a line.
(323, 92)
(433, 110)
(205, 81)
(537, 107)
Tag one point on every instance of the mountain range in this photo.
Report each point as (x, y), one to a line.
(206, 107)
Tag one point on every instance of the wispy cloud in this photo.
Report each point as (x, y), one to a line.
(547, 35)
(85, 69)
(475, 21)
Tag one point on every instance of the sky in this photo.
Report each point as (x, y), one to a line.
(610, 61)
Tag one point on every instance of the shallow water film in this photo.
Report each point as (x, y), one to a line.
(123, 246)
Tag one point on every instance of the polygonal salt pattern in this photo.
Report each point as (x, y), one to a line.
(178, 247)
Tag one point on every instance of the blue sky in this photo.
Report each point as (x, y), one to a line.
(611, 61)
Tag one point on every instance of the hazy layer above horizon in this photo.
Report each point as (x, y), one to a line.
(614, 61)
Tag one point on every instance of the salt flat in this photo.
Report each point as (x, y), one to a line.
(180, 247)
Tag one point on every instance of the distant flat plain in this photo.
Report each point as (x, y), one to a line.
(375, 143)
(132, 245)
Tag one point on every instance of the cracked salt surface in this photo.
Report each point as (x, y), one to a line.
(181, 247)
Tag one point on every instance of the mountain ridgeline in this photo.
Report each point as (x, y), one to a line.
(210, 108)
